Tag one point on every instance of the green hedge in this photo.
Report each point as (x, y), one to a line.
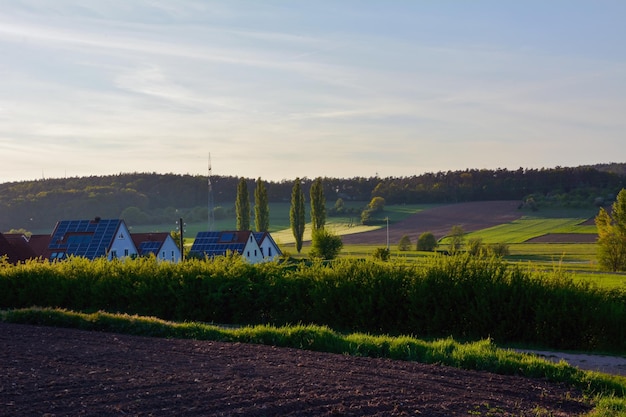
(460, 296)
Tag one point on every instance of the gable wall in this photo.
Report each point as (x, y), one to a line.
(169, 247)
(122, 244)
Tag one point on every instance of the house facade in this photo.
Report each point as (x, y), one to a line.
(161, 245)
(245, 243)
(91, 239)
(269, 248)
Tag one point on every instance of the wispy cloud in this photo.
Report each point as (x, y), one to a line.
(297, 89)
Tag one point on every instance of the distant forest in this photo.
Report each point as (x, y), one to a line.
(160, 198)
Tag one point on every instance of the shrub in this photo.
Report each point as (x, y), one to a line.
(325, 244)
(382, 254)
(405, 243)
(499, 249)
(426, 242)
(475, 247)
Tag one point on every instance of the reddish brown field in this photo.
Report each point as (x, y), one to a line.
(470, 216)
(46, 371)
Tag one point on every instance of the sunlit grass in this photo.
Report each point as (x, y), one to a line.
(521, 230)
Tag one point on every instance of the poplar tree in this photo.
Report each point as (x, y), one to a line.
(242, 205)
(296, 213)
(261, 207)
(318, 205)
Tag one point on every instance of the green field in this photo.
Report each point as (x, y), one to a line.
(578, 259)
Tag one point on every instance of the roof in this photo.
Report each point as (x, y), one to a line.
(218, 243)
(88, 238)
(149, 243)
(262, 236)
(7, 249)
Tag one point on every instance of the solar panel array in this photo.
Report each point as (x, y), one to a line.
(87, 238)
(149, 247)
(214, 244)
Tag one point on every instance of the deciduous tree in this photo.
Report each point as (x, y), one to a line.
(426, 242)
(456, 238)
(405, 243)
(612, 235)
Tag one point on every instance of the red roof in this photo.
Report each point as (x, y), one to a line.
(22, 248)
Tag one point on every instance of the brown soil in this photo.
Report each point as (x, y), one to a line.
(46, 371)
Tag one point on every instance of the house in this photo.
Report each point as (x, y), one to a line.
(269, 248)
(161, 245)
(24, 247)
(91, 239)
(211, 244)
(7, 251)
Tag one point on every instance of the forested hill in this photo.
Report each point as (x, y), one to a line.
(161, 197)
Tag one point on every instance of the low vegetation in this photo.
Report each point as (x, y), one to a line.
(463, 296)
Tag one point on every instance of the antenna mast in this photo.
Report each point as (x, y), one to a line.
(210, 206)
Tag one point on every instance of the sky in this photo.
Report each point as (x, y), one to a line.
(284, 89)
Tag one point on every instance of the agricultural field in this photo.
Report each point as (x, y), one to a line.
(545, 239)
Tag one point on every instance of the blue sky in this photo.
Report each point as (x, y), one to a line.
(286, 89)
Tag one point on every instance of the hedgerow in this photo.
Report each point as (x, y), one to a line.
(460, 296)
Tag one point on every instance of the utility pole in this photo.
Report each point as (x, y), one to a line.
(211, 223)
(387, 218)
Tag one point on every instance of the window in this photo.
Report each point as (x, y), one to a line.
(125, 252)
(269, 251)
(113, 254)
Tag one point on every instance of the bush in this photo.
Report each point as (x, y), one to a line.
(405, 243)
(382, 254)
(475, 247)
(325, 244)
(499, 249)
(426, 242)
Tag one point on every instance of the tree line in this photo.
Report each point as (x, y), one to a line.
(156, 198)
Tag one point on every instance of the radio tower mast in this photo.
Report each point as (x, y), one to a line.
(211, 214)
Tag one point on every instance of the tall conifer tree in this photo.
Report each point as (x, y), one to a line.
(242, 205)
(261, 207)
(296, 213)
(318, 205)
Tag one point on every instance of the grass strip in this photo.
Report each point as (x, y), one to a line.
(609, 390)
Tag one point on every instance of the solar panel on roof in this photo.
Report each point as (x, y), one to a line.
(93, 240)
(227, 237)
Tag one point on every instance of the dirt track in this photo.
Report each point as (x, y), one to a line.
(46, 371)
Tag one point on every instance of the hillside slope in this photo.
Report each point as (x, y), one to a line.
(470, 216)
